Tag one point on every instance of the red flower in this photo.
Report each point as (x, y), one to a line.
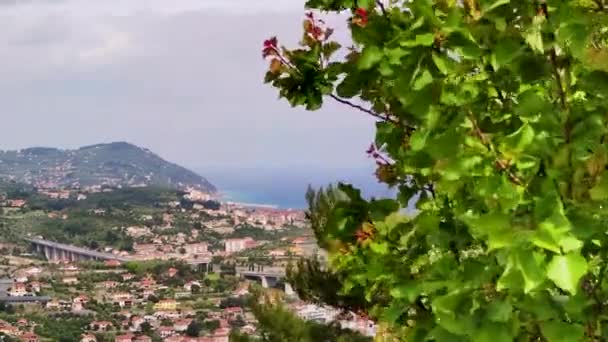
(361, 17)
(371, 148)
(270, 43)
(361, 13)
(270, 47)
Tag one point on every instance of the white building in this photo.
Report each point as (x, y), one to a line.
(312, 312)
(237, 245)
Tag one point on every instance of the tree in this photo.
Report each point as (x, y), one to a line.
(146, 328)
(490, 117)
(238, 322)
(277, 324)
(194, 328)
(211, 325)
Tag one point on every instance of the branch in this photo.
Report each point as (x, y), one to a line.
(558, 79)
(553, 57)
(381, 117)
(501, 164)
(381, 5)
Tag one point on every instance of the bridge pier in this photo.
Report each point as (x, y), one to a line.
(56, 251)
(289, 290)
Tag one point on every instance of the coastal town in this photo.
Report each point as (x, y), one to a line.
(186, 273)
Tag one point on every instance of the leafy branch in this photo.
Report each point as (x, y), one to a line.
(381, 117)
(500, 163)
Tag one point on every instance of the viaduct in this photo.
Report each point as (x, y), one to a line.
(271, 278)
(55, 251)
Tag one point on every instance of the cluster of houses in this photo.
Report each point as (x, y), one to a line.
(169, 318)
(23, 330)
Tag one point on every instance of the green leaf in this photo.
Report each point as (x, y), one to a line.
(517, 142)
(494, 5)
(548, 236)
(495, 226)
(523, 266)
(567, 270)
(600, 191)
(370, 56)
(556, 331)
(534, 36)
(570, 244)
(506, 50)
(530, 103)
(330, 48)
(423, 80)
(418, 140)
(425, 39)
(492, 332)
(499, 311)
(394, 311)
(394, 55)
(379, 247)
(440, 63)
(407, 291)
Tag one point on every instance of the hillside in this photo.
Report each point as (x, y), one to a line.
(112, 164)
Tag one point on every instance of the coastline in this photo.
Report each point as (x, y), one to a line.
(244, 199)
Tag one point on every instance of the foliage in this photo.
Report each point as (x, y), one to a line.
(194, 328)
(229, 302)
(211, 325)
(320, 203)
(159, 268)
(315, 283)
(493, 113)
(309, 277)
(123, 163)
(277, 324)
(64, 327)
(246, 230)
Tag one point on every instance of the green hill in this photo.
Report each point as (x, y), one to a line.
(113, 164)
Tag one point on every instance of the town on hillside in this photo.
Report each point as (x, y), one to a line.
(139, 264)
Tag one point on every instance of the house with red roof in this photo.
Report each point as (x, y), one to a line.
(29, 337)
(142, 338)
(100, 325)
(112, 263)
(165, 332)
(110, 284)
(181, 325)
(124, 338)
(88, 338)
(35, 286)
(17, 290)
(172, 272)
(232, 312)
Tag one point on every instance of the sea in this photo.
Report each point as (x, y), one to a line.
(285, 187)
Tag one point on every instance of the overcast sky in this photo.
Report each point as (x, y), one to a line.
(181, 77)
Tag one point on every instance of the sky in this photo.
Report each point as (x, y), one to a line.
(181, 77)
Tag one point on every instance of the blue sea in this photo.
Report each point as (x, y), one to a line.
(285, 187)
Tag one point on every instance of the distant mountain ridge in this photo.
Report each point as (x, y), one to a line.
(112, 164)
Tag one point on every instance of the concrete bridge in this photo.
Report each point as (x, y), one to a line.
(269, 278)
(55, 251)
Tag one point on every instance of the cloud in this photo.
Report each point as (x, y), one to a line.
(129, 7)
(183, 78)
(112, 44)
